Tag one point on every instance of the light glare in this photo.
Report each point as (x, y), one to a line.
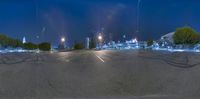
(62, 39)
(100, 37)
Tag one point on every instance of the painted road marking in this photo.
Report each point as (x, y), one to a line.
(99, 58)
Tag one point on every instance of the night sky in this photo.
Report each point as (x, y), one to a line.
(76, 19)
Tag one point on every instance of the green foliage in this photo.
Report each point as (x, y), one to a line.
(78, 46)
(9, 42)
(149, 42)
(15, 43)
(30, 46)
(92, 44)
(186, 35)
(45, 46)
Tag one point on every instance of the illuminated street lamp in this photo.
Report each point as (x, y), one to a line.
(100, 38)
(62, 43)
(62, 39)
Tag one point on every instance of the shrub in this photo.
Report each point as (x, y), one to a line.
(78, 46)
(30, 46)
(45, 46)
(149, 42)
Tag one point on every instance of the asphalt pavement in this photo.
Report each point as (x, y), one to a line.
(126, 74)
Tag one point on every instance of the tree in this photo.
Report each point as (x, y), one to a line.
(78, 46)
(19, 43)
(6, 41)
(30, 46)
(186, 35)
(149, 42)
(45, 46)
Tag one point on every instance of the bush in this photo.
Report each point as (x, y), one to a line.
(78, 46)
(149, 42)
(186, 35)
(45, 46)
(30, 46)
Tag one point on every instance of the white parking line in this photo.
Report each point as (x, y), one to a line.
(99, 58)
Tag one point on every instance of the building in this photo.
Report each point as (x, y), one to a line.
(168, 37)
(166, 40)
(87, 43)
(24, 40)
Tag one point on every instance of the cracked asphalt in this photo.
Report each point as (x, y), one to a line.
(130, 74)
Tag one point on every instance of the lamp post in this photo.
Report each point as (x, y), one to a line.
(62, 43)
(100, 40)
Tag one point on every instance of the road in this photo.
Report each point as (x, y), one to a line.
(130, 74)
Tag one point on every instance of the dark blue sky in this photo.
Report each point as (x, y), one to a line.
(77, 19)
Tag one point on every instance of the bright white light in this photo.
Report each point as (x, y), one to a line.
(24, 40)
(197, 50)
(37, 51)
(100, 37)
(62, 39)
(134, 40)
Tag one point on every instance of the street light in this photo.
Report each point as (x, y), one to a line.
(62, 39)
(100, 38)
(62, 43)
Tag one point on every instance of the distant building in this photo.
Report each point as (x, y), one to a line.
(166, 40)
(168, 37)
(87, 43)
(24, 40)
